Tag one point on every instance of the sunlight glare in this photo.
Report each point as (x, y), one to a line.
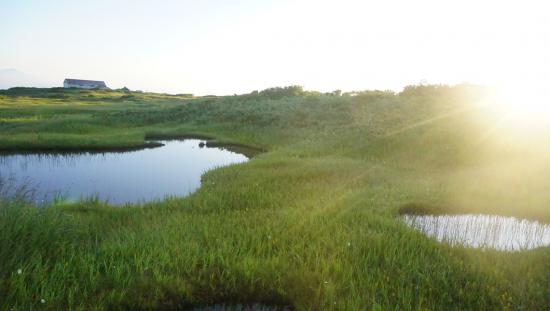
(526, 106)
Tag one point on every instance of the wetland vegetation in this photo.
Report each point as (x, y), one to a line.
(312, 223)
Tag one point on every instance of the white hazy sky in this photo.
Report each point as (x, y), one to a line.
(226, 47)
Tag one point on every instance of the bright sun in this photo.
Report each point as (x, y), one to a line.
(524, 106)
(519, 114)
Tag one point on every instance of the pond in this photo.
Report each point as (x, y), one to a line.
(483, 231)
(173, 169)
(242, 307)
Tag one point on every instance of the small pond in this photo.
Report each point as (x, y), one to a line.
(483, 231)
(173, 169)
(241, 307)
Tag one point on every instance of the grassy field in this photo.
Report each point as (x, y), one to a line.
(312, 223)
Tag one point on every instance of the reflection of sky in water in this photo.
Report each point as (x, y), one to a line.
(483, 231)
(143, 175)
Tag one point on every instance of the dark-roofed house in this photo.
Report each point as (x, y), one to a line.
(84, 84)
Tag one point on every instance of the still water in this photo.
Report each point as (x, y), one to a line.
(174, 169)
(483, 231)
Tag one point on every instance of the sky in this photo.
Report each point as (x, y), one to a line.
(226, 47)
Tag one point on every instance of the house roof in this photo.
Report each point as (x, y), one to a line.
(86, 82)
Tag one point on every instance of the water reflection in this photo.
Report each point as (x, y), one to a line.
(483, 231)
(118, 177)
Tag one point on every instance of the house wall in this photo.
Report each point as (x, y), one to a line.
(69, 85)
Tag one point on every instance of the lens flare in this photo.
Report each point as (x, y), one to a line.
(529, 106)
(523, 112)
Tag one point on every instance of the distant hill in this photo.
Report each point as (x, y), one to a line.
(10, 77)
